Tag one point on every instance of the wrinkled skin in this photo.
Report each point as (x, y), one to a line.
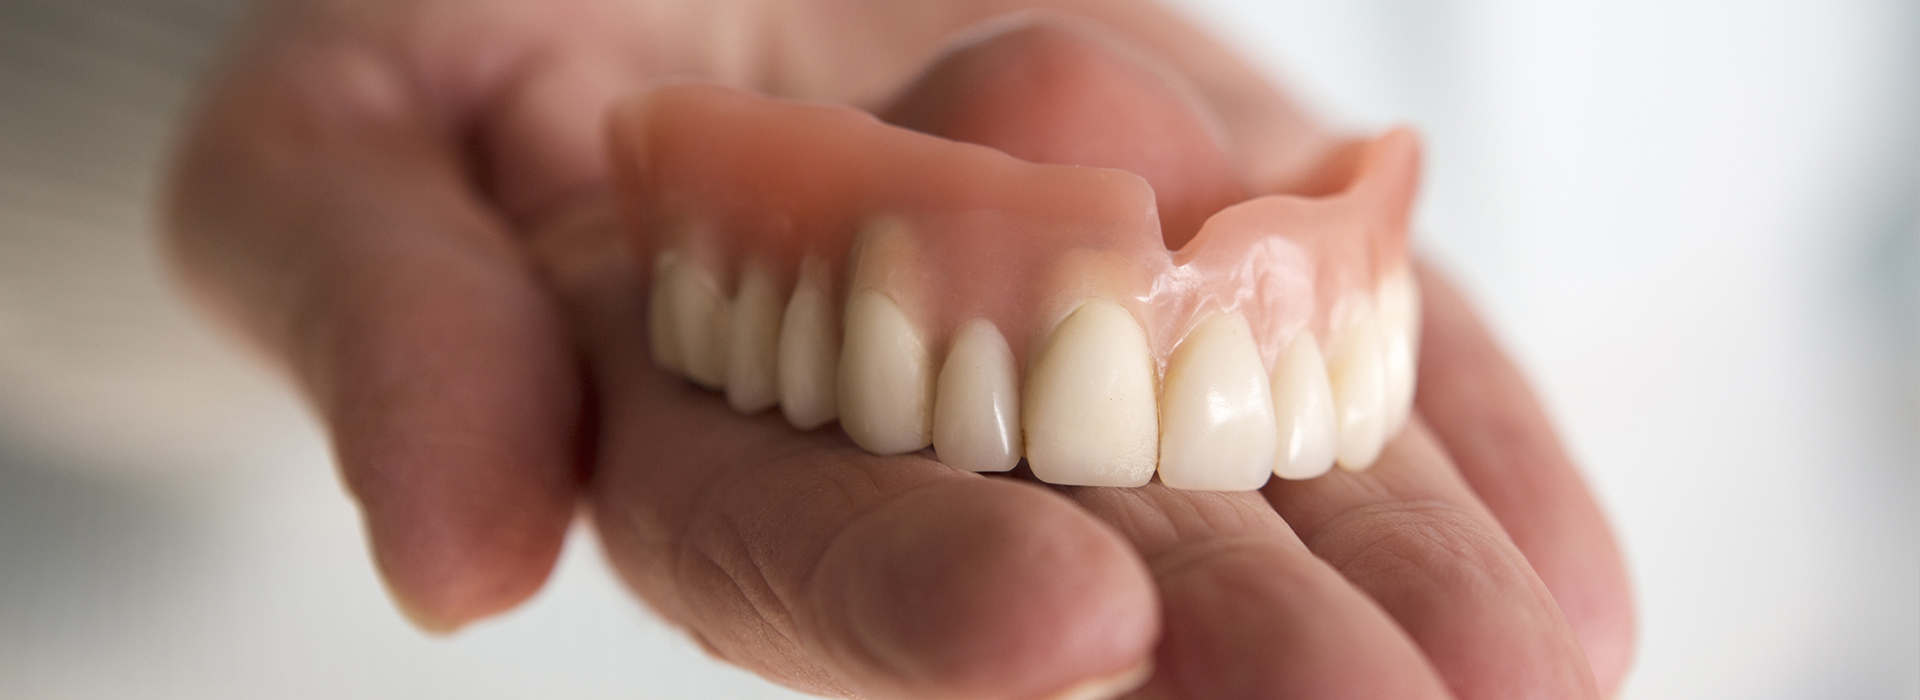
(407, 204)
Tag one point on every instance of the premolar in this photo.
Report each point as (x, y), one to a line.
(1089, 408)
(1304, 410)
(976, 410)
(886, 377)
(1217, 430)
(697, 322)
(1357, 368)
(809, 351)
(1400, 324)
(754, 343)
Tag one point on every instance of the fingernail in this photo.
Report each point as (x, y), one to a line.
(1109, 687)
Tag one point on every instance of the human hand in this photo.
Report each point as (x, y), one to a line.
(408, 205)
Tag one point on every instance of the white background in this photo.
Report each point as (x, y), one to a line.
(1697, 222)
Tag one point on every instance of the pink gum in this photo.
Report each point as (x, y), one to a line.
(730, 179)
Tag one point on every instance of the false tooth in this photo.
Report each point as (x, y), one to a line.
(809, 351)
(886, 378)
(1217, 430)
(700, 323)
(754, 347)
(976, 409)
(1304, 410)
(1400, 326)
(1089, 408)
(666, 346)
(1357, 370)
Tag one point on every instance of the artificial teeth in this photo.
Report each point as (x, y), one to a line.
(809, 351)
(1400, 327)
(1217, 430)
(1357, 369)
(699, 320)
(1303, 408)
(754, 343)
(1089, 409)
(976, 410)
(886, 377)
(660, 325)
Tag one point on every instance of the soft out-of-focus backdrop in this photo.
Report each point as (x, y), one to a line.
(1696, 221)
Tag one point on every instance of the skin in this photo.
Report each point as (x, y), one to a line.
(407, 204)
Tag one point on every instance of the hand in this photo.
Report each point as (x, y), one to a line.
(407, 204)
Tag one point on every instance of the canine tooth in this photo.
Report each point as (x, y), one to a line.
(809, 351)
(1357, 370)
(1089, 408)
(754, 343)
(1217, 430)
(700, 323)
(1400, 325)
(1304, 410)
(976, 409)
(666, 346)
(886, 378)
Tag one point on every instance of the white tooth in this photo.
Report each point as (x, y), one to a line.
(1358, 372)
(754, 348)
(886, 378)
(1400, 326)
(1091, 418)
(1217, 428)
(700, 323)
(976, 409)
(1304, 410)
(666, 346)
(809, 351)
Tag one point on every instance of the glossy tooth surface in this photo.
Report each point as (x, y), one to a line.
(886, 378)
(1089, 407)
(1217, 430)
(1400, 327)
(976, 410)
(1303, 409)
(809, 351)
(700, 324)
(660, 326)
(754, 343)
(1357, 369)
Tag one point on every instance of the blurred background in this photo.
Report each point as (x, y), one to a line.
(1696, 221)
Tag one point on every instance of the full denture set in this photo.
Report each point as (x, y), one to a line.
(929, 292)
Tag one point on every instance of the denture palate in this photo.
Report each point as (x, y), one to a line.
(927, 292)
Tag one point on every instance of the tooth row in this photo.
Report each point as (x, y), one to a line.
(1091, 411)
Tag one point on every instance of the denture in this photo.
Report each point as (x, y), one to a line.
(924, 287)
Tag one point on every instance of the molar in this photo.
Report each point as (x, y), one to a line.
(1357, 370)
(1217, 429)
(976, 410)
(1303, 407)
(660, 335)
(886, 377)
(1089, 407)
(754, 348)
(693, 315)
(809, 350)
(1399, 299)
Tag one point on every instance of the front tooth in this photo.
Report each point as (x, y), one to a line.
(976, 410)
(700, 323)
(1091, 418)
(754, 347)
(1217, 431)
(886, 378)
(1400, 326)
(809, 351)
(1303, 406)
(666, 345)
(1358, 372)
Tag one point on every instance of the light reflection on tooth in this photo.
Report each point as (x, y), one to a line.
(1399, 302)
(1303, 408)
(976, 410)
(660, 324)
(1217, 429)
(1357, 368)
(754, 343)
(1089, 408)
(809, 350)
(700, 323)
(886, 377)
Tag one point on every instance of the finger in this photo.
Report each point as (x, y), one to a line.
(317, 210)
(1483, 413)
(1410, 534)
(804, 559)
(1249, 612)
